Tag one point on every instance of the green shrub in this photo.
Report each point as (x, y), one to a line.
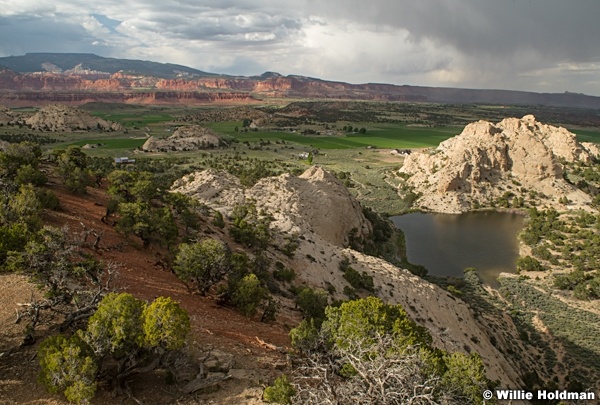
(465, 377)
(249, 229)
(165, 324)
(281, 392)
(528, 263)
(29, 175)
(361, 320)
(72, 167)
(48, 199)
(304, 337)
(454, 291)
(13, 238)
(290, 246)
(202, 264)
(350, 292)
(358, 280)
(68, 366)
(150, 224)
(312, 303)
(284, 274)
(366, 341)
(248, 295)
(123, 329)
(218, 220)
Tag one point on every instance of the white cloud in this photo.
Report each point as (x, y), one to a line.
(539, 45)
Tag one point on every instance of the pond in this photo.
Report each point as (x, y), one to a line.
(447, 244)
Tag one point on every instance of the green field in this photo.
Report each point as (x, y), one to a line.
(134, 115)
(117, 143)
(133, 120)
(378, 135)
(586, 135)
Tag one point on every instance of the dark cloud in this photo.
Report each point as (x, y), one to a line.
(539, 45)
(31, 34)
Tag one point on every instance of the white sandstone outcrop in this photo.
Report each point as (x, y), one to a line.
(6, 115)
(318, 207)
(487, 160)
(191, 137)
(315, 201)
(58, 117)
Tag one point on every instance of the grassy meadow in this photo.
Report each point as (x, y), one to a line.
(387, 136)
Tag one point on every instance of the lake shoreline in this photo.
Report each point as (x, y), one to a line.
(446, 244)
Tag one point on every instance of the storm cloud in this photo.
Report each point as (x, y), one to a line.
(537, 45)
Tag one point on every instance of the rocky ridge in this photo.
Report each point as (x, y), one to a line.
(191, 137)
(316, 207)
(314, 202)
(487, 160)
(58, 117)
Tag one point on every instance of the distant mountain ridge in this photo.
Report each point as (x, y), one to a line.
(33, 62)
(38, 78)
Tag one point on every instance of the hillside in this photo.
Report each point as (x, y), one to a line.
(316, 207)
(141, 272)
(308, 207)
(79, 78)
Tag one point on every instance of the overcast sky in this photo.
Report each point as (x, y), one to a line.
(535, 45)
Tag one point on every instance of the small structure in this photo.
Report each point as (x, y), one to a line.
(400, 152)
(123, 160)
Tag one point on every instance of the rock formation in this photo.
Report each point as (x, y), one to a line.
(64, 118)
(191, 137)
(6, 115)
(79, 85)
(318, 208)
(488, 160)
(314, 202)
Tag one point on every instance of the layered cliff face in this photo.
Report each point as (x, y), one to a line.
(191, 137)
(80, 85)
(65, 118)
(487, 160)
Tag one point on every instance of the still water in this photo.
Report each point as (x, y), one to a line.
(447, 244)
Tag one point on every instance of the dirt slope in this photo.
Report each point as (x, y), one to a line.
(141, 273)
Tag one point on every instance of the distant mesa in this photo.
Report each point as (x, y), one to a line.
(64, 118)
(187, 138)
(40, 78)
(487, 160)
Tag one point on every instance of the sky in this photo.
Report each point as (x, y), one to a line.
(533, 45)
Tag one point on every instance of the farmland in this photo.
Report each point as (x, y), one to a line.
(349, 138)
